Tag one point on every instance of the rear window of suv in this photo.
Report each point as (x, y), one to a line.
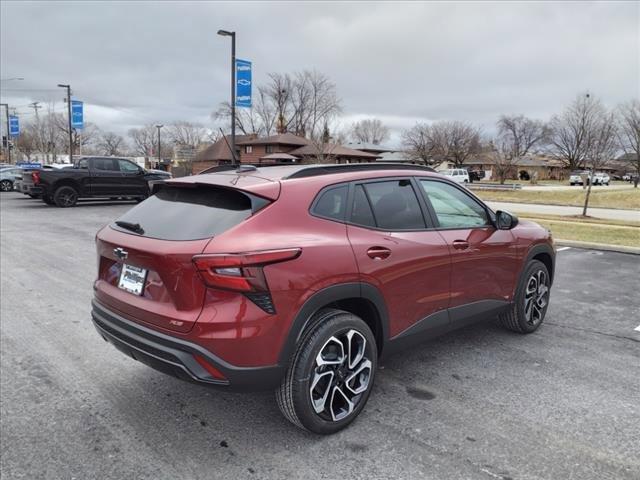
(179, 213)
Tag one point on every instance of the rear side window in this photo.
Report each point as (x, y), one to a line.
(332, 203)
(178, 213)
(104, 164)
(361, 213)
(395, 205)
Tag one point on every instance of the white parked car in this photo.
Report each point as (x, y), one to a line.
(599, 178)
(459, 175)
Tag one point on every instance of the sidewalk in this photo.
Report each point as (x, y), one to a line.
(606, 213)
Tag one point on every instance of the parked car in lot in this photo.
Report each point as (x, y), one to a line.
(601, 178)
(300, 278)
(8, 176)
(459, 175)
(93, 177)
(598, 178)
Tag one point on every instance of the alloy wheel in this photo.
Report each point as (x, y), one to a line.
(341, 375)
(536, 297)
(68, 199)
(5, 186)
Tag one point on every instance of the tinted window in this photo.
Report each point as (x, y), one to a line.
(332, 203)
(453, 207)
(104, 164)
(83, 163)
(361, 213)
(128, 167)
(189, 213)
(395, 205)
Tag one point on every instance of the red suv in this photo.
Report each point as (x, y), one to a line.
(299, 278)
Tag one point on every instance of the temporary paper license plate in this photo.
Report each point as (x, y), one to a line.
(132, 279)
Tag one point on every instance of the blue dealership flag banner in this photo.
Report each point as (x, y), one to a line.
(77, 114)
(243, 83)
(14, 126)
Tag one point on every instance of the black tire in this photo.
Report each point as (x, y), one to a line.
(65, 196)
(519, 318)
(6, 186)
(48, 200)
(295, 397)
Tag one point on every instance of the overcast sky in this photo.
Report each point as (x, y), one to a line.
(147, 62)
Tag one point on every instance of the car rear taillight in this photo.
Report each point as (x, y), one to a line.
(243, 272)
(35, 176)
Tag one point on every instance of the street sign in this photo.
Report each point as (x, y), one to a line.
(29, 165)
(14, 126)
(77, 114)
(243, 83)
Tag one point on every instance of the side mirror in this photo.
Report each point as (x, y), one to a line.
(505, 220)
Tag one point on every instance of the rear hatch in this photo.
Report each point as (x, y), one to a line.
(145, 267)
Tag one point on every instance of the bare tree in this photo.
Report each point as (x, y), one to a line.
(186, 133)
(517, 136)
(501, 153)
(455, 141)
(419, 144)
(370, 131)
(248, 121)
(570, 132)
(629, 133)
(27, 142)
(110, 144)
(603, 144)
(520, 135)
(81, 137)
(144, 139)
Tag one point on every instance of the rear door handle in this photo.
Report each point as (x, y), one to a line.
(378, 253)
(460, 244)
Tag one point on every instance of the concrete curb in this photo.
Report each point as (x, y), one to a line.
(596, 246)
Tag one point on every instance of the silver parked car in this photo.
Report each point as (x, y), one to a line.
(8, 177)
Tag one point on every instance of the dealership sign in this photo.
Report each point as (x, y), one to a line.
(243, 83)
(77, 114)
(14, 126)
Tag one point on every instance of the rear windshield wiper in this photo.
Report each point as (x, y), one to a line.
(134, 227)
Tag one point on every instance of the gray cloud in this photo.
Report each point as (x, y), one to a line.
(142, 62)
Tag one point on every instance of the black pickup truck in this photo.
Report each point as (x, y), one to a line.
(93, 177)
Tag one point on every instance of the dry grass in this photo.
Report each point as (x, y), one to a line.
(600, 197)
(590, 230)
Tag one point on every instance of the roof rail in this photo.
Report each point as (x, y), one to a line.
(313, 171)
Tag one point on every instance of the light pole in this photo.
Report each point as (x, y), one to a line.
(68, 87)
(226, 33)
(159, 127)
(6, 111)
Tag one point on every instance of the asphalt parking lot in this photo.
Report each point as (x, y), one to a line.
(480, 403)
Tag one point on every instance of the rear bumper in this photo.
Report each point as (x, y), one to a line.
(175, 356)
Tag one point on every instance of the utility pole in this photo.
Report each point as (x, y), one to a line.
(36, 106)
(159, 159)
(68, 87)
(6, 111)
(226, 33)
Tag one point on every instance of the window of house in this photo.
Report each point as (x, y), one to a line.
(395, 205)
(269, 148)
(453, 207)
(248, 149)
(332, 203)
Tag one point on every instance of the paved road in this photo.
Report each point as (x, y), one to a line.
(482, 403)
(608, 213)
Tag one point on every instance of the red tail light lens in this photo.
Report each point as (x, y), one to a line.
(241, 272)
(35, 176)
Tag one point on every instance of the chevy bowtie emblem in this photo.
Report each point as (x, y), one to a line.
(121, 253)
